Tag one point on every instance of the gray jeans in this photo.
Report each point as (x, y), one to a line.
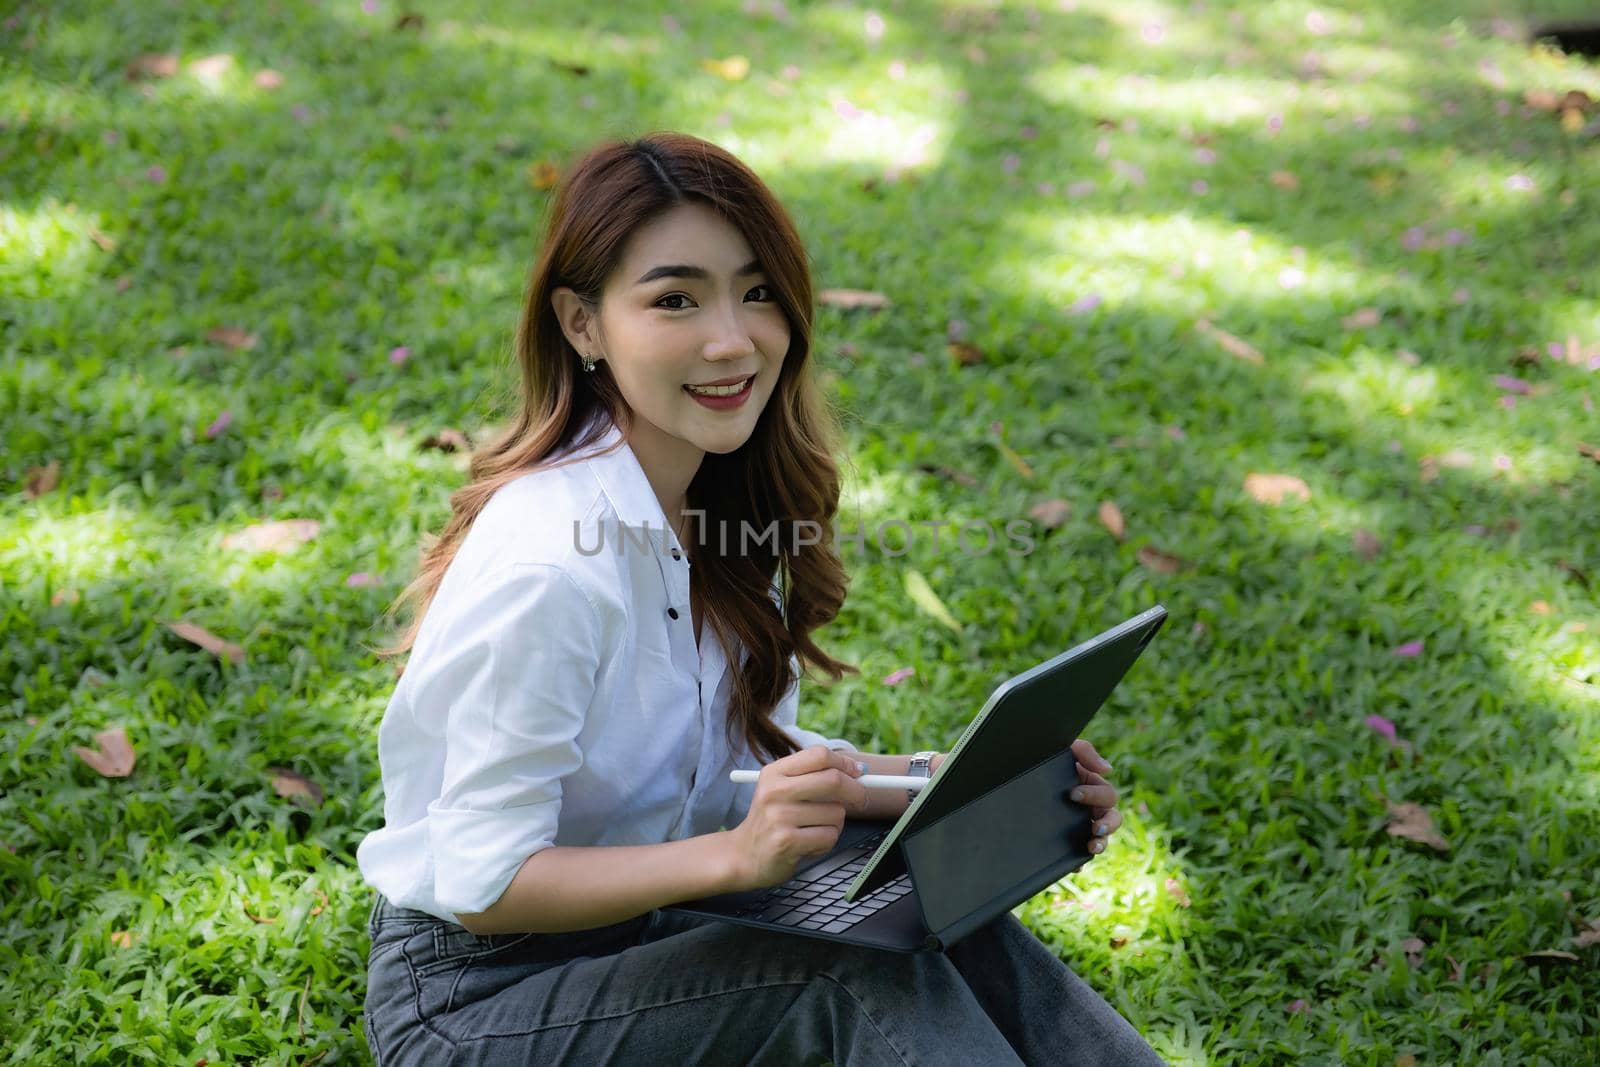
(663, 988)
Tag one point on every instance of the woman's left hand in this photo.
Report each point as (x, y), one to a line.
(1096, 794)
(1093, 792)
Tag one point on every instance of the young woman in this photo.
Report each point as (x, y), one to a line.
(595, 648)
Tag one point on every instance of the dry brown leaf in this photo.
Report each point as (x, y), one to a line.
(1234, 346)
(1272, 488)
(151, 65)
(210, 69)
(1405, 1059)
(122, 938)
(1589, 450)
(1412, 822)
(1362, 319)
(269, 79)
(290, 783)
(257, 918)
(207, 640)
(108, 243)
(1284, 179)
(1159, 561)
(1547, 957)
(852, 298)
(112, 756)
(1111, 519)
(1178, 893)
(543, 175)
(1413, 947)
(964, 353)
(1455, 969)
(40, 480)
(1015, 460)
(448, 440)
(273, 536)
(231, 336)
(959, 477)
(71, 595)
(1366, 544)
(1052, 513)
(1589, 935)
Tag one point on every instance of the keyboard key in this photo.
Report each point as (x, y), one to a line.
(839, 926)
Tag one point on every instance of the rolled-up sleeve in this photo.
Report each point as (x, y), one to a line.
(513, 677)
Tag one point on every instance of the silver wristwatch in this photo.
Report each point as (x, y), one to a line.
(921, 767)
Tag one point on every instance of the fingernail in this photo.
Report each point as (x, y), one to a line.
(1102, 829)
(861, 767)
(1077, 794)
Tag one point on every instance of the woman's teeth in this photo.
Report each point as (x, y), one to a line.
(719, 390)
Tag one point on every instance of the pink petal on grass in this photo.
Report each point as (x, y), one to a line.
(157, 174)
(399, 354)
(361, 578)
(1085, 303)
(1508, 401)
(221, 423)
(1515, 385)
(896, 677)
(1381, 725)
(1409, 649)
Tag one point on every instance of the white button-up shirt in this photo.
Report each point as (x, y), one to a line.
(551, 698)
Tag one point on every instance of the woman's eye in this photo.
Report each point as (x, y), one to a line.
(680, 296)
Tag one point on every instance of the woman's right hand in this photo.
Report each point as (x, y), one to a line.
(799, 810)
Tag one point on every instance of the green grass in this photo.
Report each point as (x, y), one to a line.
(1250, 779)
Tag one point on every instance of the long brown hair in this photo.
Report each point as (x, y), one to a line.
(784, 477)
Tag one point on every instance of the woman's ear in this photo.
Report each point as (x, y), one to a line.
(575, 318)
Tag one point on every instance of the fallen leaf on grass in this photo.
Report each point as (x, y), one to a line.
(965, 353)
(151, 65)
(1589, 935)
(1455, 969)
(231, 336)
(112, 756)
(40, 480)
(448, 440)
(1178, 894)
(290, 783)
(1015, 460)
(1272, 488)
(923, 596)
(896, 677)
(1361, 319)
(1408, 650)
(1234, 346)
(220, 423)
(1159, 561)
(273, 536)
(257, 918)
(1548, 957)
(122, 938)
(1366, 544)
(1413, 946)
(1589, 450)
(1052, 513)
(1284, 179)
(852, 298)
(959, 477)
(1111, 518)
(1296, 1007)
(733, 69)
(1412, 822)
(207, 640)
(543, 174)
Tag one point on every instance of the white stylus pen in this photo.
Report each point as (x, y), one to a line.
(871, 781)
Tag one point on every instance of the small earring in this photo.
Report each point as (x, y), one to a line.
(588, 363)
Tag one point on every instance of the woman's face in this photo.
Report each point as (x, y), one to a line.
(662, 330)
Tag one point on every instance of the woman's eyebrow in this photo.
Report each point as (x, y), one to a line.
(685, 270)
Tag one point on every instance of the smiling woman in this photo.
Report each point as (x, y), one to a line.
(556, 759)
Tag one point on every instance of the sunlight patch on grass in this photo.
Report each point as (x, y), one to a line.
(1169, 263)
(45, 248)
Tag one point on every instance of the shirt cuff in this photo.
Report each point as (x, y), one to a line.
(476, 854)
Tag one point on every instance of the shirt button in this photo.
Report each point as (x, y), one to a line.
(676, 555)
(672, 612)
